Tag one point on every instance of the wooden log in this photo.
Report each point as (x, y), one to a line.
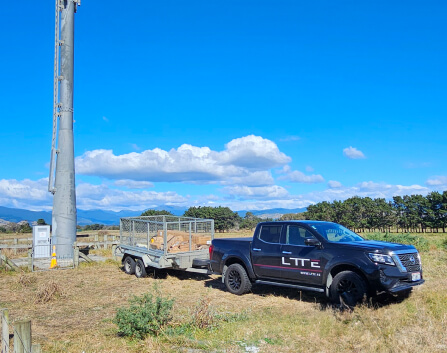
(19, 246)
(85, 257)
(9, 263)
(22, 336)
(5, 330)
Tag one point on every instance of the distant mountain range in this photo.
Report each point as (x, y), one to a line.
(113, 218)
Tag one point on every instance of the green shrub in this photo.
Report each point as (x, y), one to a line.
(147, 314)
(420, 243)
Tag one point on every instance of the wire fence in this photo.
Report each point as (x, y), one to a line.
(21, 337)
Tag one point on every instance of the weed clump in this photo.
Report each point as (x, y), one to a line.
(26, 280)
(48, 292)
(147, 314)
(202, 317)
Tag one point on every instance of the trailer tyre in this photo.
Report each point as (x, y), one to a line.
(129, 265)
(236, 279)
(140, 269)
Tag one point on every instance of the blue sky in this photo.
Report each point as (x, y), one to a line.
(246, 104)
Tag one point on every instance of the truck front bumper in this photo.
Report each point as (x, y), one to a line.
(392, 280)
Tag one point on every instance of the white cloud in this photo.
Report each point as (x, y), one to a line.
(437, 181)
(366, 189)
(309, 169)
(257, 178)
(132, 184)
(253, 152)
(30, 194)
(353, 153)
(101, 196)
(299, 177)
(263, 192)
(188, 163)
(105, 119)
(33, 195)
(333, 184)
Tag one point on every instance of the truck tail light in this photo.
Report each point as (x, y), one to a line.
(211, 248)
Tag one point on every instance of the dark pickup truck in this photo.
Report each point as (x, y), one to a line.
(316, 256)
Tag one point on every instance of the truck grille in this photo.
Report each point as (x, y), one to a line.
(410, 262)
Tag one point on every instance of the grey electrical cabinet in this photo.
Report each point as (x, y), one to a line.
(41, 242)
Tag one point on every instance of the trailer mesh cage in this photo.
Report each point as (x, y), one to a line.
(167, 233)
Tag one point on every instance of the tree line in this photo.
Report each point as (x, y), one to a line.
(411, 213)
(224, 218)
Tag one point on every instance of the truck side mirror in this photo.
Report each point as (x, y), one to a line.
(312, 242)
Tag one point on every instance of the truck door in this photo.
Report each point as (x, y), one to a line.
(299, 262)
(266, 251)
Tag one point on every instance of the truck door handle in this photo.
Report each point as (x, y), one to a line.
(256, 249)
(287, 252)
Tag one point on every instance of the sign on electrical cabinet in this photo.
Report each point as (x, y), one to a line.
(41, 242)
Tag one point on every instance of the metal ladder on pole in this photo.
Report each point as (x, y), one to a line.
(57, 79)
(56, 104)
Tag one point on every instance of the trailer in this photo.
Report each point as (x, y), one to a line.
(164, 242)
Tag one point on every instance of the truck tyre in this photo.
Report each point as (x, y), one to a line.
(236, 279)
(348, 288)
(140, 269)
(129, 265)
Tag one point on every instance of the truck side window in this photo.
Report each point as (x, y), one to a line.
(270, 234)
(297, 235)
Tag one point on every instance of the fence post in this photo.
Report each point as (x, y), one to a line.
(105, 241)
(76, 255)
(22, 336)
(30, 259)
(5, 330)
(16, 242)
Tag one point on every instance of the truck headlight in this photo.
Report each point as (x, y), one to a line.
(382, 259)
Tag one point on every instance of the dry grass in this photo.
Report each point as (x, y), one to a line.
(82, 303)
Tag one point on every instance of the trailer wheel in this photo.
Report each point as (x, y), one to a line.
(236, 279)
(140, 269)
(129, 265)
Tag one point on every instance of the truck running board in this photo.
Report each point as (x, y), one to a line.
(313, 289)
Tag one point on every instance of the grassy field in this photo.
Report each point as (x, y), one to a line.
(82, 304)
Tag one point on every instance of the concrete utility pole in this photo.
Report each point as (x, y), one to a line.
(64, 201)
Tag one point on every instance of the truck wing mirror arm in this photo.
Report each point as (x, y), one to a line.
(312, 242)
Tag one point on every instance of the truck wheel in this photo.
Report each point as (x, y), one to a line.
(348, 288)
(236, 279)
(129, 265)
(140, 269)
